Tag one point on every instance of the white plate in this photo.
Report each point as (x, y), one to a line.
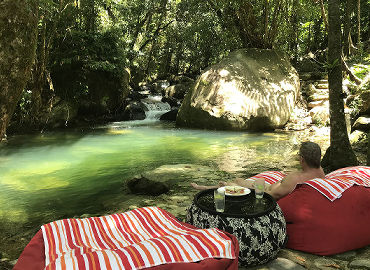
(244, 192)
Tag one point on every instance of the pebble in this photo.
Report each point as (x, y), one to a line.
(360, 264)
(326, 264)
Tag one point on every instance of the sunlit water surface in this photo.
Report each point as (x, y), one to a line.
(65, 174)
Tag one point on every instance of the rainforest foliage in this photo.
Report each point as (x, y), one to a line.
(82, 42)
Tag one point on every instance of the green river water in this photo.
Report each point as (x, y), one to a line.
(66, 174)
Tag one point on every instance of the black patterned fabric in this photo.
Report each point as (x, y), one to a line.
(260, 237)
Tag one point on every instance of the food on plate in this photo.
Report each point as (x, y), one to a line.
(234, 190)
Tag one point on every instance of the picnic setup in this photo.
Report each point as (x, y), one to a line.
(184, 135)
(240, 228)
(258, 224)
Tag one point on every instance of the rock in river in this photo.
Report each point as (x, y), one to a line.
(143, 185)
(251, 89)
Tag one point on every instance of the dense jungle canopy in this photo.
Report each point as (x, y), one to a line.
(89, 55)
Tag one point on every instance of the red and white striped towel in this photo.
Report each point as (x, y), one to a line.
(334, 183)
(137, 239)
(359, 174)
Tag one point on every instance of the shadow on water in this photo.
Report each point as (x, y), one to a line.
(51, 139)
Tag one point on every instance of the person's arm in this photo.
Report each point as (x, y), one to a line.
(236, 182)
(284, 187)
(244, 183)
(200, 187)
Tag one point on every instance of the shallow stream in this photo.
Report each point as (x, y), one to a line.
(66, 174)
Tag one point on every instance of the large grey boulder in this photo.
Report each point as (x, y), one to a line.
(251, 89)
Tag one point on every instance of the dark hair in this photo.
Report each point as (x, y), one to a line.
(311, 153)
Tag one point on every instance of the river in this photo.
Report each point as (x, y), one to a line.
(64, 174)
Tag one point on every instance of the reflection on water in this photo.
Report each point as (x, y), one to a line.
(57, 175)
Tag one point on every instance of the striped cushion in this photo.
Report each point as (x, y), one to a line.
(137, 239)
(330, 188)
(334, 183)
(359, 174)
(269, 176)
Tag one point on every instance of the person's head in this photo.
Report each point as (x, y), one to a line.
(311, 154)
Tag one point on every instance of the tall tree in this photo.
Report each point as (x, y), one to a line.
(293, 46)
(340, 153)
(345, 67)
(18, 36)
(347, 28)
(358, 22)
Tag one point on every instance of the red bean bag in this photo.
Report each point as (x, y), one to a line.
(319, 226)
(33, 256)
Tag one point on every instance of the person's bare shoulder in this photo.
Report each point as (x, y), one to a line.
(305, 176)
(292, 177)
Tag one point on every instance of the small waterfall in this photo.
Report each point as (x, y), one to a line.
(155, 107)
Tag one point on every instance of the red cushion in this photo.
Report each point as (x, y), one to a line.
(33, 257)
(319, 226)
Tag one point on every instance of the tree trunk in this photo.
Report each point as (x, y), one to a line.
(345, 67)
(317, 34)
(358, 22)
(347, 28)
(351, 75)
(178, 57)
(165, 61)
(90, 16)
(340, 153)
(38, 73)
(18, 31)
(295, 29)
(323, 14)
(265, 19)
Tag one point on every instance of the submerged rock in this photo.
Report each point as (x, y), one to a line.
(251, 89)
(146, 186)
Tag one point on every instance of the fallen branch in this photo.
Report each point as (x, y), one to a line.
(352, 76)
